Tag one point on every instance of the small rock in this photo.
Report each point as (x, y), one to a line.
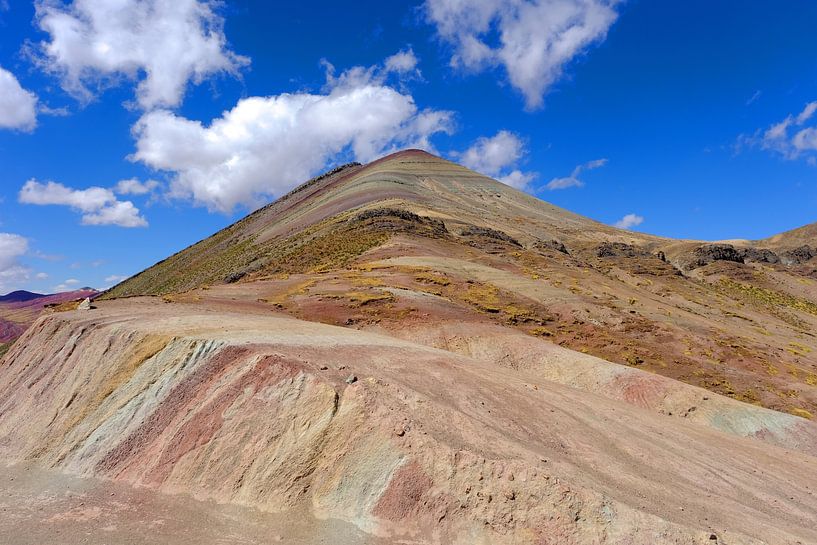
(324, 367)
(351, 379)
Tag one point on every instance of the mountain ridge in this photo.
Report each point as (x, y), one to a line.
(434, 357)
(562, 223)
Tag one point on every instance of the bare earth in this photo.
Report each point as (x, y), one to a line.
(412, 351)
(41, 507)
(399, 439)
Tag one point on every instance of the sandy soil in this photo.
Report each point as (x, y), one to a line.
(42, 507)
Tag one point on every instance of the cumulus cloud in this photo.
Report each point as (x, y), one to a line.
(98, 205)
(573, 180)
(12, 272)
(161, 44)
(793, 137)
(18, 107)
(115, 278)
(629, 221)
(264, 146)
(402, 62)
(498, 156)
(532, 39)
(133, 186)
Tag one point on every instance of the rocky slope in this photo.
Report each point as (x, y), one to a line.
(399, 439)
(434, 357)
(735, 318)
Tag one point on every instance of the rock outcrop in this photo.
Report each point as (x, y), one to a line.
(425, 445)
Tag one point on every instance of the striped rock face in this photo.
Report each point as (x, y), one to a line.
(426, 444)
(416, 352)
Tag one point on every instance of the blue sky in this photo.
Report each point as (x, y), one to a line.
(127, 135)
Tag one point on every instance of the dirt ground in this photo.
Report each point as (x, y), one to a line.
(42, 507)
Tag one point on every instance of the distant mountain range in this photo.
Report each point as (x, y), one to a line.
(20, 296)
(19, 309)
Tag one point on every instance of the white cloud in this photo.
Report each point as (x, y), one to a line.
(121, 213)
(806, 114)
(266, 145)
(755, 96)
(789, 137)
(41, 276)
(69, 285)
(133, 186)
(402, 62)
(162, 44)
(12, 273)
(495, 156)
(629, 221)
(99, 206)
(518, 179)
(573, 180)
(534, 39)
(115, 278)
(18, 107)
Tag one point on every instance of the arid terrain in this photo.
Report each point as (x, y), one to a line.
(18, 310)
(411, 351)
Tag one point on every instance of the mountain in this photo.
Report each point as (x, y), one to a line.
(19, 296)
(20, 309)
(728, 317)
(434, 357)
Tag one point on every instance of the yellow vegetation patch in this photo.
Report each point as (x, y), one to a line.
(769, 297)
(540, 332)
(802, 413)
(365, 281)
(362, 298)
(432, 278)
(483, 296)
(798, 349)
(65, 307)
(298, 289)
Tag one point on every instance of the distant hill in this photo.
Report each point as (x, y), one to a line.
(20, 296)
(19, 309)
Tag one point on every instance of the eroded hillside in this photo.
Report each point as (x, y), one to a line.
(432, 356)
(399, 439)
(735, 318)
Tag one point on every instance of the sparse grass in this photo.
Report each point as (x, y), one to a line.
(540, 332)
(767, 297)
(798, 349)
(802, 413)
(485, 297)
(365, 281)
(4, 348)
(298, 289)
(431, 278)
(360, 298)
